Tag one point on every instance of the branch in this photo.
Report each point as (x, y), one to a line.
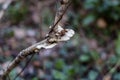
(59, 14)
(56, 34)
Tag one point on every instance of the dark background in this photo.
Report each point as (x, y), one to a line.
(92, 54)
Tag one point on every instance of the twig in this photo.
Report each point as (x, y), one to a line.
(112, 70)
(59, 15)
(24, 66)
(58, 34)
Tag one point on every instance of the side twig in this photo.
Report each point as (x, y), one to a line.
(28, 61)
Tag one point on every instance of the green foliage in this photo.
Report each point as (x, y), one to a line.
(47, 17)
(112, 60)
(117, 49)
(48, 64)
(59, 75)
(59, 64)
(13, 74)
(35, 78)
(79, 58)
(17, 12)
(94, 55)
(116, 76)
(70, 71)
(6, 33)
(92, 75)
(88, 19)
(84, 58)
(90, 4)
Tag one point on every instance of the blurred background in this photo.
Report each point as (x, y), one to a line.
(92, 54)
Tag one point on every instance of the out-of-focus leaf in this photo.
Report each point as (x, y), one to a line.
(84, 58)
(2, 58)
(82, 70)
(112, 60)
(116, 76)
(59, 64)
(70, 70)
(88, 19)
(92, 75)
(6, 33)
(59, 75)
(17, 12)
(117, 45)
(48, 64)
(13, 74)
(63, 51)
(35, 78)
(76, 66)
(114, 15)
(90, 4)
(85, 48)
(95, 56)
(48, 17)
(112, 2)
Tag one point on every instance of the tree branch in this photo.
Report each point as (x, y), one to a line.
(56, 34)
